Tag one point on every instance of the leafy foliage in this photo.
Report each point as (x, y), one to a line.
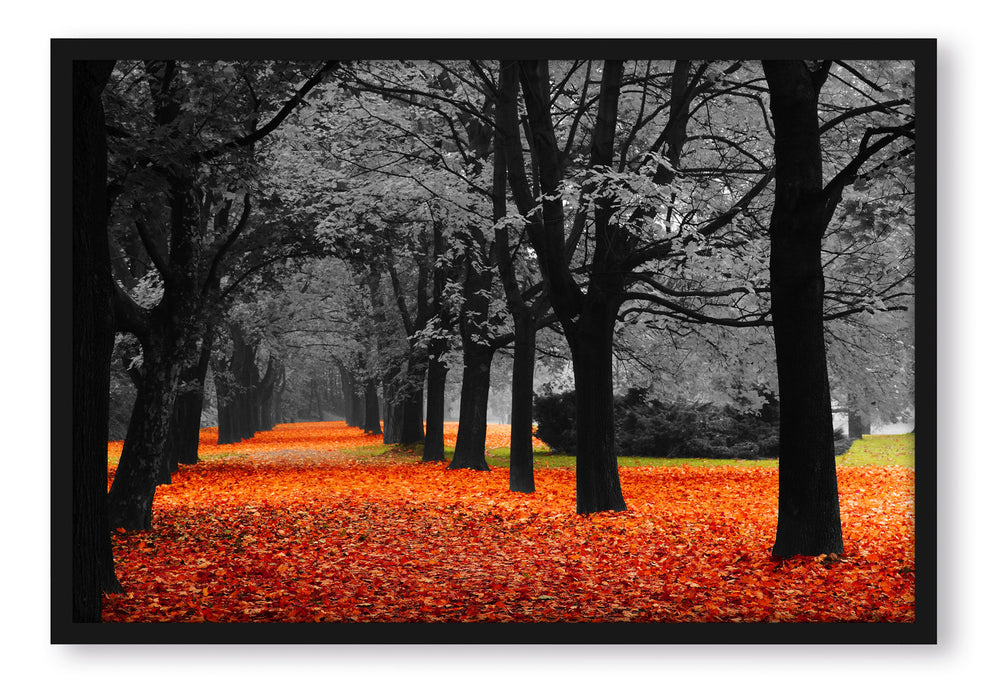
(317, 523)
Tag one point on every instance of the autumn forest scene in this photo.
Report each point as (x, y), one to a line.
(482, 340)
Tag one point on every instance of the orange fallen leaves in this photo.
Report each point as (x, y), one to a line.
(290, 526)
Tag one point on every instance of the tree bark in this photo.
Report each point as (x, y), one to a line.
(436, 372)
(221, 382)
(92, 345)
(472, 426)
(189, 407)
(521, 478)
(352, 415)
(588, 318)
(143, 459)
(597, 464)
(808, 519)
(436, 383)
(412, 401)
(856, 423)
(372, 424)
(238, 392)
(391, 388)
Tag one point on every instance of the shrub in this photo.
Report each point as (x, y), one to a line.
(554, 415)
(648, 427)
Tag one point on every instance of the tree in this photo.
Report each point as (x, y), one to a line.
(808, 512)
(808, 520)
(92, 344)
(527, 306)
(188, 410)
(588, 317)
(434, 127)
(192, 156)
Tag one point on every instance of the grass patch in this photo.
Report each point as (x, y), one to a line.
(220, 456)
(880, 450)
(869, 450)
(375, 450)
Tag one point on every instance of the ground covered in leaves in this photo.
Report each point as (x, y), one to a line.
(317, 522)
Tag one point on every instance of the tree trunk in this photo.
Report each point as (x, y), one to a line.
(436, 383)
(588, 318)
(143, 458)
(412, 401)
(351, 402)
(189, 407)
(264, 395)
(277, 410)
(856, 423)
(247, 398)
(92, 345)
(391, 388)
(808, 520)
(225, 426)
(237, 409)
(521, 477)
(472, 425)
(598, 487)
(472, 422)
(316, 406)
(372, 423)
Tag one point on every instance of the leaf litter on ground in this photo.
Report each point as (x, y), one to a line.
(305, 524)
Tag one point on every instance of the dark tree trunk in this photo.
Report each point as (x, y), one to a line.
(372, 424)
(598, 487)
(436, 373)
(403, 398)
(92, 345)
(472, 425)
(277, 409)
(185, 426)
(237, 386)
(189, 407)
(225, 426)
(247, 380)
(391, 388)
(411, 425)
(808, 521)
(266, 394)
(856, 424)
(143, 459)
(588, 318)
(316, 402)
(353, 411)
(436, 383)
(521, 477)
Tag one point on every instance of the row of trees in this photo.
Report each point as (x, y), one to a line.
(264, 220)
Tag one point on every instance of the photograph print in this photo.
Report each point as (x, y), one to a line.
(493, 341)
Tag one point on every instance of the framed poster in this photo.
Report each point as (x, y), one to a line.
(328, 289)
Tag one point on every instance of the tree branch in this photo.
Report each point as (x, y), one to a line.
(212, 275)
(275, 121)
